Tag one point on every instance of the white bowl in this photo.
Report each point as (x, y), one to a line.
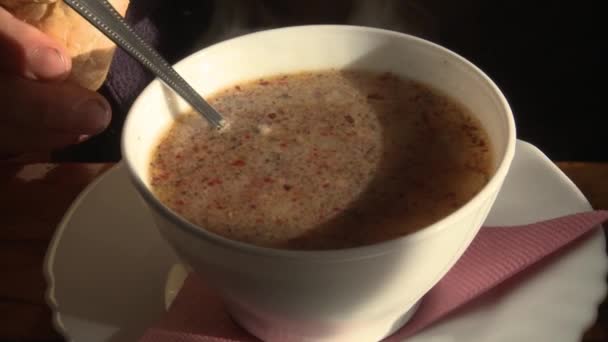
(357, 294)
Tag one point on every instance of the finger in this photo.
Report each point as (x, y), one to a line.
(15, 141)
(57, 107)
(29, 53)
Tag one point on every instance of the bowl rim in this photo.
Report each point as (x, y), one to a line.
(346, 254)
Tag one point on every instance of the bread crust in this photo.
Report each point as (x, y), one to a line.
(90, 50)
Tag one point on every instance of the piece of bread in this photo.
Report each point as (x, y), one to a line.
(90, 50)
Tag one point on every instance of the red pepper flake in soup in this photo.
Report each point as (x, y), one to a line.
(215, 181)
(375, 96)
(385, 76)
(239, 162)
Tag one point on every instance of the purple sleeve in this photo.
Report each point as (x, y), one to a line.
(127, 77)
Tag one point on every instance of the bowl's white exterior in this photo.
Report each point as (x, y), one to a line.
(360, 294)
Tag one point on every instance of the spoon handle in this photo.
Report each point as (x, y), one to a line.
(107, 20)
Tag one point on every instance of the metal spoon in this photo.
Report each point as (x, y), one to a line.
(104, 17)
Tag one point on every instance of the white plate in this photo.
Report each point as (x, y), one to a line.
(107, 266)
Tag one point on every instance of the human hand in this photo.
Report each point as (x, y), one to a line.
(39, 111)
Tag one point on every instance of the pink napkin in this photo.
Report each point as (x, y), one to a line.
(495, 255)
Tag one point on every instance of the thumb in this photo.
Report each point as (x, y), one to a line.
(30, 53)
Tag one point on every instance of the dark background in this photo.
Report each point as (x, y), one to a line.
(545, 56)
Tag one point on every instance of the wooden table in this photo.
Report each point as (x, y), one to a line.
(34, 197)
